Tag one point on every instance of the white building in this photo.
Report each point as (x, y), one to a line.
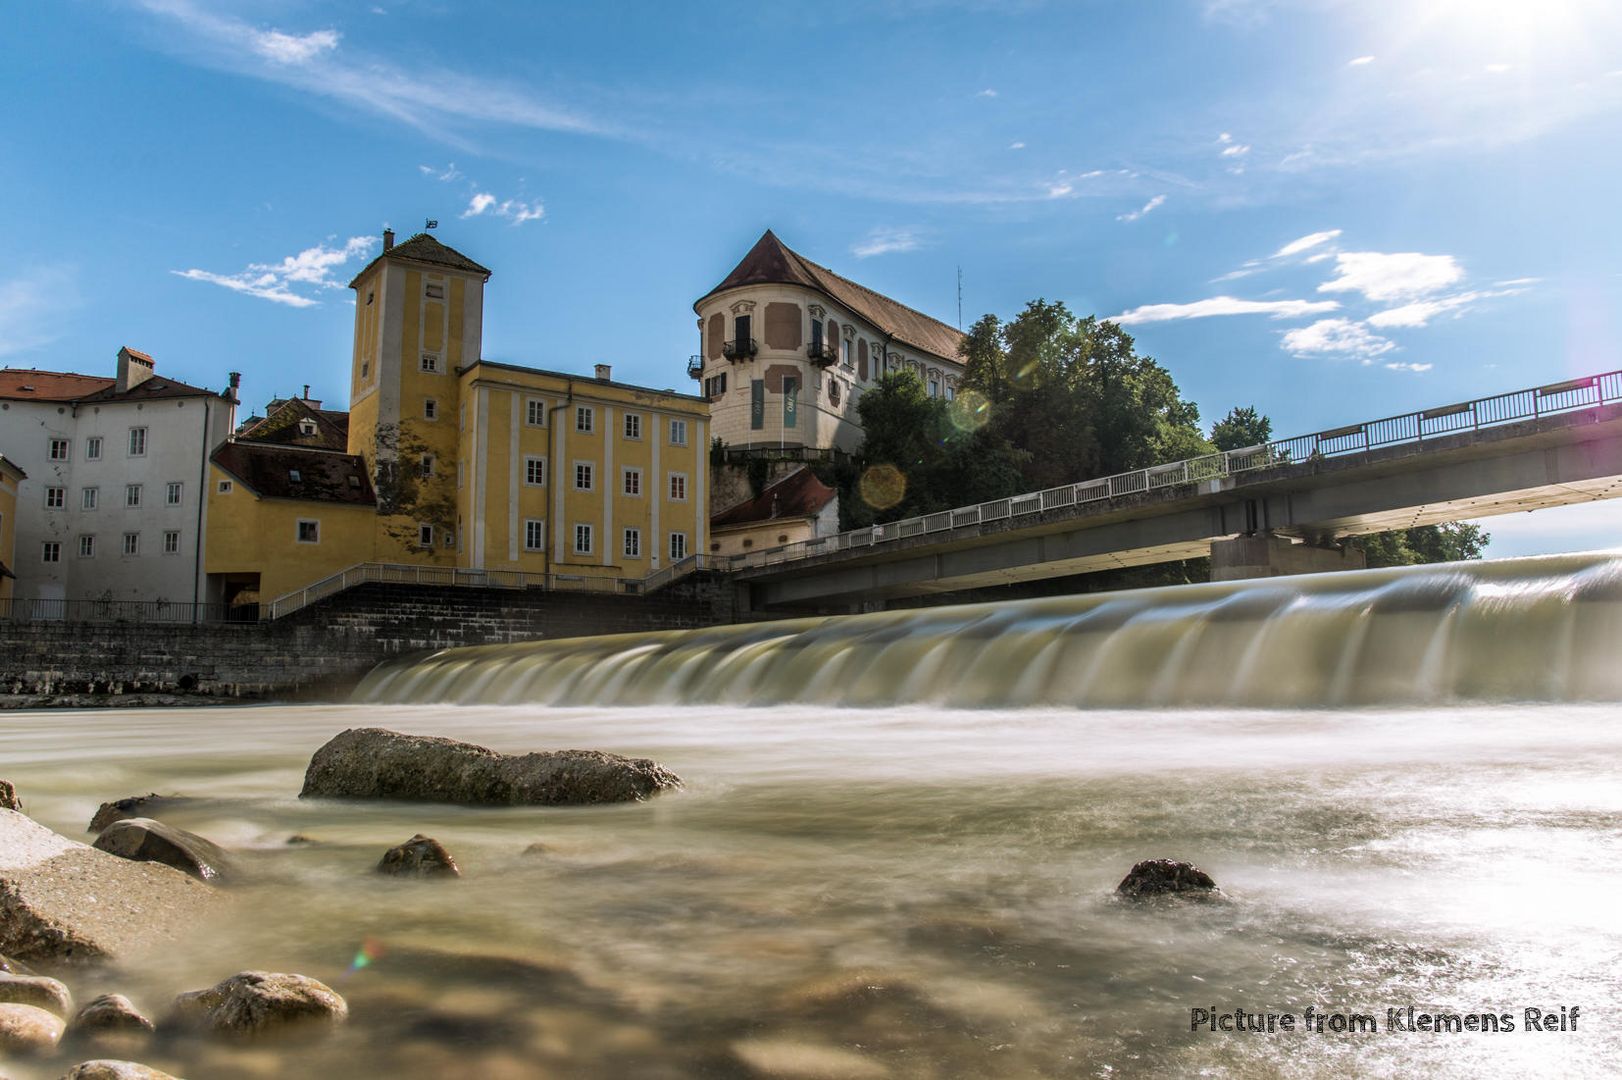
(113, 504)
(788, 347)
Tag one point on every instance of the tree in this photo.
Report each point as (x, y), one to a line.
(1241, 428)
(1451, 541)
(407, 496)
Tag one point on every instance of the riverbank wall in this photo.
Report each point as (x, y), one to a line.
(318, 653)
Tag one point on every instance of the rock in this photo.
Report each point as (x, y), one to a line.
(14, 967)
(36, 990)
(108, 1069)
(27, 1029)
(373, 763)
(538, 848)
(8, 797)
(136, 806)
(421, 856)
(1154, 877)
(108, 1014)
(66, 902)
(146, 840)
(256, 1002)
(797, 1059)
(300, 838)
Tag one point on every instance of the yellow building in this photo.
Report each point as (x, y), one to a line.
(10, 477)
(460, 462)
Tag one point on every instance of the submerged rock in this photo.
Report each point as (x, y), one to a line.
(1155, 877)
(108, 1069)
(36, 990)
(299, 839)
(146, 840)
(256, 1002)
(28, 1030)
(791, 1058)
(421, 856)
(109, 1014)
(136, 806)
(373, 763)
(66, 902)
(8, 797)
(14, 967)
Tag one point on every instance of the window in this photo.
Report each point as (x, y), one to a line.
(171, 495)
(678, 486)
(306, 426)
(534, 535)
(295, 476)
(434, 290)
(582, 539)
(450, 538)
(132, 543)
(87, 547)
(816, 336)
(137, 442)
(678, 546)
(59, 450)
(50, 551)
(365, 365)
(535, 471)
(92, 448)
(430, 361)
(633, 482)
(633, 543)
(309, 532)
(715, 386)
(425, 467)
(88, 498)
(951, 392)
(845, 357)
(171, 542)
(633, 425)
(370, 296)
(585, 418)
(741, 332)
(582, 475)
(934, 387)
(425, 536)
(225, 487)
(56, 498)
(430, 409)
(678, 433)
(536, 412)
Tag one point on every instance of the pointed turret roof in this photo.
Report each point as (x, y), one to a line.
(423, 248)
(772, 262)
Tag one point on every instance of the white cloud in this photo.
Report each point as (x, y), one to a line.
(987, 92)
(886, 241)
(31, 308)
(288, 49)
(1322, 256)
(1016, 146)
(1306, 243)
(1383, 277)
(1059, 190)
(446, 175)
(1415, 368)
(311, 267)
(516, 210)
(1421, 312)
(1133, 215)
(1336, 337)
(1235, 150)
(1224, 305)
(1359, 61)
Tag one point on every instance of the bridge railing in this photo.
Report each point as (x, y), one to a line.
(1571, 395)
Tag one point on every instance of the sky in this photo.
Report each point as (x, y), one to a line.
(1333, 210)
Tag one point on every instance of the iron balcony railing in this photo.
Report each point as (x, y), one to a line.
(821, 353)
(739, 349)
(1572, 395)
(18, 609)
(695, 367)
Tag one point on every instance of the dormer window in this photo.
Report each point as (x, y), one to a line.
(306, 427)
(354, 481)
(295, 476)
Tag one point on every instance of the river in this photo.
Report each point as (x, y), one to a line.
(925, 890)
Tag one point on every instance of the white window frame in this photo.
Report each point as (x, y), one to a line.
(430, 363)
(59, 444)
(430, 408)
(534, 534)
(89, 497)
(675, 480)
(132, 544)
(532, 466)
(315, 531)
(50, 551)
(174, 493)
(678, 433)
(171, 536)
(631, 544)
(87, 545)
(137, 443)
(92, 448)
(132, 496)
(631, 476)
(425, 535)
(433, 290)
(535, 412)
(224, 487)
(591, 475)
(585, 419)
(678, 539)
(56, 497)
(583, 528)
(633, 421)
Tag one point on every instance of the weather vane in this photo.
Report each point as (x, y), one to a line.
(432, 223)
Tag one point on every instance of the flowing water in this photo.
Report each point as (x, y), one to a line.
(920, 888)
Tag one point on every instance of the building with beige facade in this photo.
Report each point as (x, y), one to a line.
(11, 477)
(787, 348)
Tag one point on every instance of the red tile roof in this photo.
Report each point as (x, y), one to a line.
(30, 384)
(323, 476)
(771, 262)
(799, 494)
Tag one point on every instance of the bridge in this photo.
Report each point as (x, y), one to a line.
(1276, 508)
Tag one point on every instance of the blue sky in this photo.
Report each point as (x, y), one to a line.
(1331, 209)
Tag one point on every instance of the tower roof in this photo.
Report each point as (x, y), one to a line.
(423, 248)
(772, 262)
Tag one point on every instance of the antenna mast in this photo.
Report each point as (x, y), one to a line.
(960, 297)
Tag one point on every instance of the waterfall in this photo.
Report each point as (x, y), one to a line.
(1532, 629)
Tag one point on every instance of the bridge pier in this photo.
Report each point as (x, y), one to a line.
(1266, 555)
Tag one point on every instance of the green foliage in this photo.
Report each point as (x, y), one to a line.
(405, 497)
(1452, 541)
(1241, 428)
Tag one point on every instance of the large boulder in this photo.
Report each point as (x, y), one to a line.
(36, 990)
(108, 1069)
(27, 1030)
(373, 763)
(257, 1002)
(135, 806)
(8, 797)
(66, 902)
(146, 840)
(421, 856)
(1157, 877)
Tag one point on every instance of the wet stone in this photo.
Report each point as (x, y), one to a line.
(135, 806)
(111, 1069)
(1158, 877)
(27, 1030)
(146, 840)
(8, 797)
(259, 1002)
(421, 856)
(109, 1014)
(36, 990)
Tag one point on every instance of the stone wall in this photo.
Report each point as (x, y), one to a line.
(319, 652)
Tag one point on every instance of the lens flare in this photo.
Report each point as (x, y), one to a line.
(969, 411)
(882, 486)
(371, 950)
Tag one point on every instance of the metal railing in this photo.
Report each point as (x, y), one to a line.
(695, 367)
(739, 348)
(19, 609)
(1572, 395)
(665, 575)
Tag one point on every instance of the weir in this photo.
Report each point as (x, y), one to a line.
(1528, 629)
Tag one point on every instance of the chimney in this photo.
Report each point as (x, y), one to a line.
(388, 239)
(306, 391)
(605, 372)
(134, 368)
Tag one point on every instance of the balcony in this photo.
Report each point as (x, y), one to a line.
(739, 349)
(695, 367)
(822, 354)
